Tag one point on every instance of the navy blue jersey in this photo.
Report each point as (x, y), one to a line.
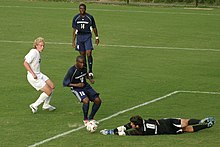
(75, 76)
(83, 23)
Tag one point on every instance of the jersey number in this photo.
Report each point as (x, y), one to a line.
(82, 26)
(150, 126)
(82, 93)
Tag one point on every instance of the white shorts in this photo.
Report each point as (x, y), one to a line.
(38, 83)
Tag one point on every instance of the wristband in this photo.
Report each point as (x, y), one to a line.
(96, 37)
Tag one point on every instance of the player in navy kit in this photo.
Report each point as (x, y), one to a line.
(76, 79)
(139, 126)
(83, 24)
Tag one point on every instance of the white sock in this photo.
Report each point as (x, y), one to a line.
(41, 99)
(47, 100)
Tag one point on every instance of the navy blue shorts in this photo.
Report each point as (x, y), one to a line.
(84, 42)
(84, 92)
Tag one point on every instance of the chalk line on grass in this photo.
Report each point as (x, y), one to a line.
(123, 46)
(121, 112)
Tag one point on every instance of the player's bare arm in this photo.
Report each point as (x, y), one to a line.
(74, 38)
(97, 36)
(28, 68)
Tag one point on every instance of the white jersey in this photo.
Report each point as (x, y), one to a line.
(33, 59)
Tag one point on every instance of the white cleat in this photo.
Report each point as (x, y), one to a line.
(33, 108)
(94, 121)
(85, 122)
(49, 108)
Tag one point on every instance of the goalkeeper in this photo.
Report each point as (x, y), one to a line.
(140, 126)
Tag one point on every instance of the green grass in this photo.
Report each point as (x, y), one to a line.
(125, 76)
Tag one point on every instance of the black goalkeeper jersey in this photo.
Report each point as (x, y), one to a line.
(154, 127)
(149, 127)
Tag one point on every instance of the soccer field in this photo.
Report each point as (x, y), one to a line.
(166, 58)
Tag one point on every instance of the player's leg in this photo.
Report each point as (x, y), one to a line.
(39, 84)
(83, 53)
(82, 97)
(195, 128)
(90, 62)
(89, 48)
(95, 107)
(93, 96)
(46, 105)
(197, 125)
(85, 108)
(187, 122)
(80, 46)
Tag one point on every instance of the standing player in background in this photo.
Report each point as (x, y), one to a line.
(83, 24)
(37, 79)
(76, 79)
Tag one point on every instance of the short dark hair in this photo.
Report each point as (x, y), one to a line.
(80, 57)
(82, 5)
(137, 120)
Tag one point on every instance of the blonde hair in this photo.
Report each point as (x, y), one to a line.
(37, 41)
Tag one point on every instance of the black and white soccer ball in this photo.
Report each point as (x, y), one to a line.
(91, 126)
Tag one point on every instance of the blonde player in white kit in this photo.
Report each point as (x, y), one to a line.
(37, 79)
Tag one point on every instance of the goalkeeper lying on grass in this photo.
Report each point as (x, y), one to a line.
(139, 126)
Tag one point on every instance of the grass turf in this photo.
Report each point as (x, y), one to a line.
(125, 76)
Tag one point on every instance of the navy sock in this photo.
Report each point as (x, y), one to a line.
(90, 62)
(193, 121)
(199, 127)
(95, 108)
(85, 108)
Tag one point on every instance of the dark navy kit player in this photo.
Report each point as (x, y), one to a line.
(83, 24)
(140, 126)
(76, 80)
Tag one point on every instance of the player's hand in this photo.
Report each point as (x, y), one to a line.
(81, 85)
(92, 81)
(34, 76)
(97, 41)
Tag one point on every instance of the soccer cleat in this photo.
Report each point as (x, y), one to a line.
(107, 132)
(91, 75)
(85, 122)
(207, 120)
(210, 124)
(49, 108)
(94, 121)
(33, 108)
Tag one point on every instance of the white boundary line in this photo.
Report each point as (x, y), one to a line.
(121, 112)
(115, 10)
(123, 46)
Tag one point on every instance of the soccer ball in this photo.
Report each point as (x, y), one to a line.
(91, 127)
